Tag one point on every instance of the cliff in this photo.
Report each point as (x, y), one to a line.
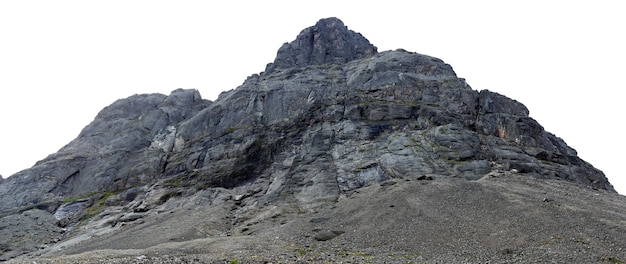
(329, 118)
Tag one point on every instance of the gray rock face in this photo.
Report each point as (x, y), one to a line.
(328, 42)
(329, 116)
(124, 146)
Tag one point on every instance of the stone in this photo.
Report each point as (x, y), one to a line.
(111, 153)
(425, 178)
(27, 231)
(72, 211)
(331, 115)
(327, 235)
(130, 217)
(318, 220)
(328, 42)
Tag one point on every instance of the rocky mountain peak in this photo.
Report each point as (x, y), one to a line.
(329, 127)
(329, 41)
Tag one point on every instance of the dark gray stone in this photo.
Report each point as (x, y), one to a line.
(318, 220)
(328, 42)
(425, 178)
(121, 148)
(327, 235)
(71, 212)
(329, 116)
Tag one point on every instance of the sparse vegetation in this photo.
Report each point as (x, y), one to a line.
(353, 253)
(78, 198)
(98, 206)
(611, 260)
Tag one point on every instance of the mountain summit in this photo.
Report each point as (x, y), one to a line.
(390, 154)
(328, 42)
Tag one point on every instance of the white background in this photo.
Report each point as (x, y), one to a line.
(63, 61)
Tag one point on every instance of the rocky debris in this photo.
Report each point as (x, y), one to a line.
(449, 220)
(329, 117)
(27, 231)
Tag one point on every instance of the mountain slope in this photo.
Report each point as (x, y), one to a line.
(502, 218)
(328, 118)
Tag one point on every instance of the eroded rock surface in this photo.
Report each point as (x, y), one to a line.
(328, 42)
(328, 117)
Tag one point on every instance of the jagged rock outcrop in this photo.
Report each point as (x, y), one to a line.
(125, 145)
(328, 42)
(329, 116)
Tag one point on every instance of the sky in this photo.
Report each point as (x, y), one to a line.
(62, 61)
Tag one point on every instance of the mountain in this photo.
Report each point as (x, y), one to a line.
(335, 152)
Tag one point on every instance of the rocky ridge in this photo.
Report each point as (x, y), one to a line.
(328, 118)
